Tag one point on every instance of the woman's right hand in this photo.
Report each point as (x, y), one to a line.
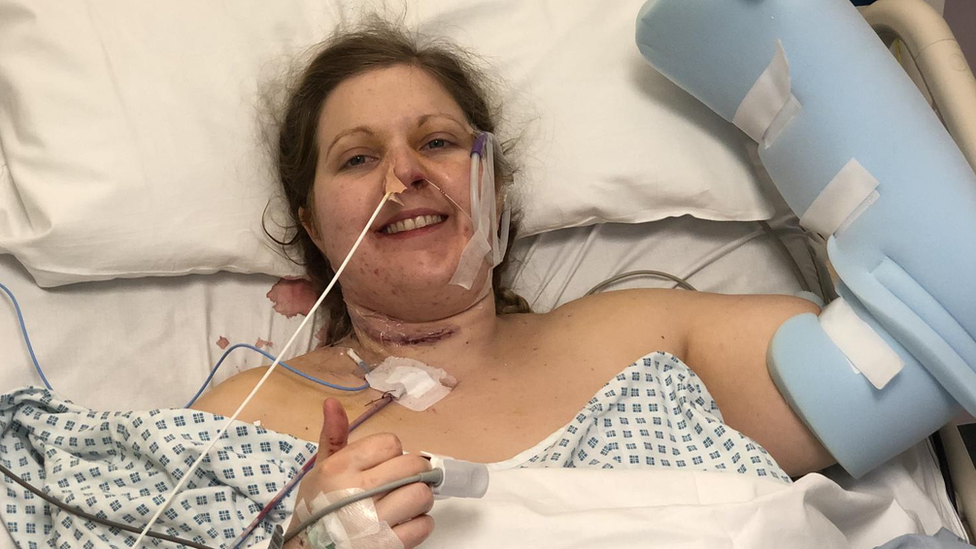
(367, 463)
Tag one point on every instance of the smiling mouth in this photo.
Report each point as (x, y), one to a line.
(413, 223)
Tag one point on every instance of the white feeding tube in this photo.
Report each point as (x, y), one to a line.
(284, 350)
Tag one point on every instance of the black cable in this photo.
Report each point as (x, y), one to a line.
(78, 512)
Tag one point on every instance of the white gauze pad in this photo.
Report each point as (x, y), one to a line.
(412, 383)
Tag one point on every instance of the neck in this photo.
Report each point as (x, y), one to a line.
(440, 343)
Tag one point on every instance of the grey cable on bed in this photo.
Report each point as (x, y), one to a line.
(88, 516)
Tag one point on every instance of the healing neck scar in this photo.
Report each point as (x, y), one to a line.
(385, 330)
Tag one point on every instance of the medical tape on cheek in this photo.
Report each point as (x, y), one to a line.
(474, 248)
(470, 262)
(355, 526)
(484, 241)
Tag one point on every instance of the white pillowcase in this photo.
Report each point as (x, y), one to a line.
(132, 137)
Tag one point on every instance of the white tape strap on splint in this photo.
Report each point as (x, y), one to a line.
(847, 195)
(863, 347)
(770, 99)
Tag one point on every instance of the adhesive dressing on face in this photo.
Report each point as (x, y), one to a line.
(412, 383)
(393, 186)
(485, 243)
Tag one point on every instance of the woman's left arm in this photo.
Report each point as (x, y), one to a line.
(727, 339)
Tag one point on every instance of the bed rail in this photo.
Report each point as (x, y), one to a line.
(939, 68)
(939, 59)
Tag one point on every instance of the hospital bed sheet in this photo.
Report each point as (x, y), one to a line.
(727, 257)
(570, 508)
(139, 343)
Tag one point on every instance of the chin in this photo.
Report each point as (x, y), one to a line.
(429, 301)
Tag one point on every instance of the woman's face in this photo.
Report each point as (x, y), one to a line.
(400, 118)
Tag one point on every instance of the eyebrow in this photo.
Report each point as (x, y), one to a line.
(344, 133)
(423, 119)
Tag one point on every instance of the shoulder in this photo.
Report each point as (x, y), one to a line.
(680, 306)
(641, 321)
(667, 320)
(225, 397)
(622, 301)
(648, 307)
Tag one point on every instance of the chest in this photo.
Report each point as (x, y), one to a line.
(491, 416)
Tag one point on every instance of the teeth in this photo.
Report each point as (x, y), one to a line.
(418, 222)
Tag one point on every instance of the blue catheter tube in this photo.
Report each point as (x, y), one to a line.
(23, 330)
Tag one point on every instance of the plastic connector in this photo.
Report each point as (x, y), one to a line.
(459, 479)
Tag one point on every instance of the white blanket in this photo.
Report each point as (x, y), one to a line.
(569, 508)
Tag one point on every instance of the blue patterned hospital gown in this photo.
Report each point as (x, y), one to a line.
(655, 413)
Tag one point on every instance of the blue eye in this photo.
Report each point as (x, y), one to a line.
(357, 160)
(436, 144)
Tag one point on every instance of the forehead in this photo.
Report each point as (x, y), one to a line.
(383, 99)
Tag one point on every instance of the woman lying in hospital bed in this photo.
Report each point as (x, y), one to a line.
(688, 384)
(654, 422)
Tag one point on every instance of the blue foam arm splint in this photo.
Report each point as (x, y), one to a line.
(859, 155)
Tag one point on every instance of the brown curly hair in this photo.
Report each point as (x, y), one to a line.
(373, 45)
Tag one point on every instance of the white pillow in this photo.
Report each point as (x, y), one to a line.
(131, 128)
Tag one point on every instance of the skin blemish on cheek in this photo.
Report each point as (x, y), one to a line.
(376, 272)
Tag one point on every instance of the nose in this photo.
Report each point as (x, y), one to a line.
(408, 167)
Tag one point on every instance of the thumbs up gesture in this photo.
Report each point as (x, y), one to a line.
(367, 463)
